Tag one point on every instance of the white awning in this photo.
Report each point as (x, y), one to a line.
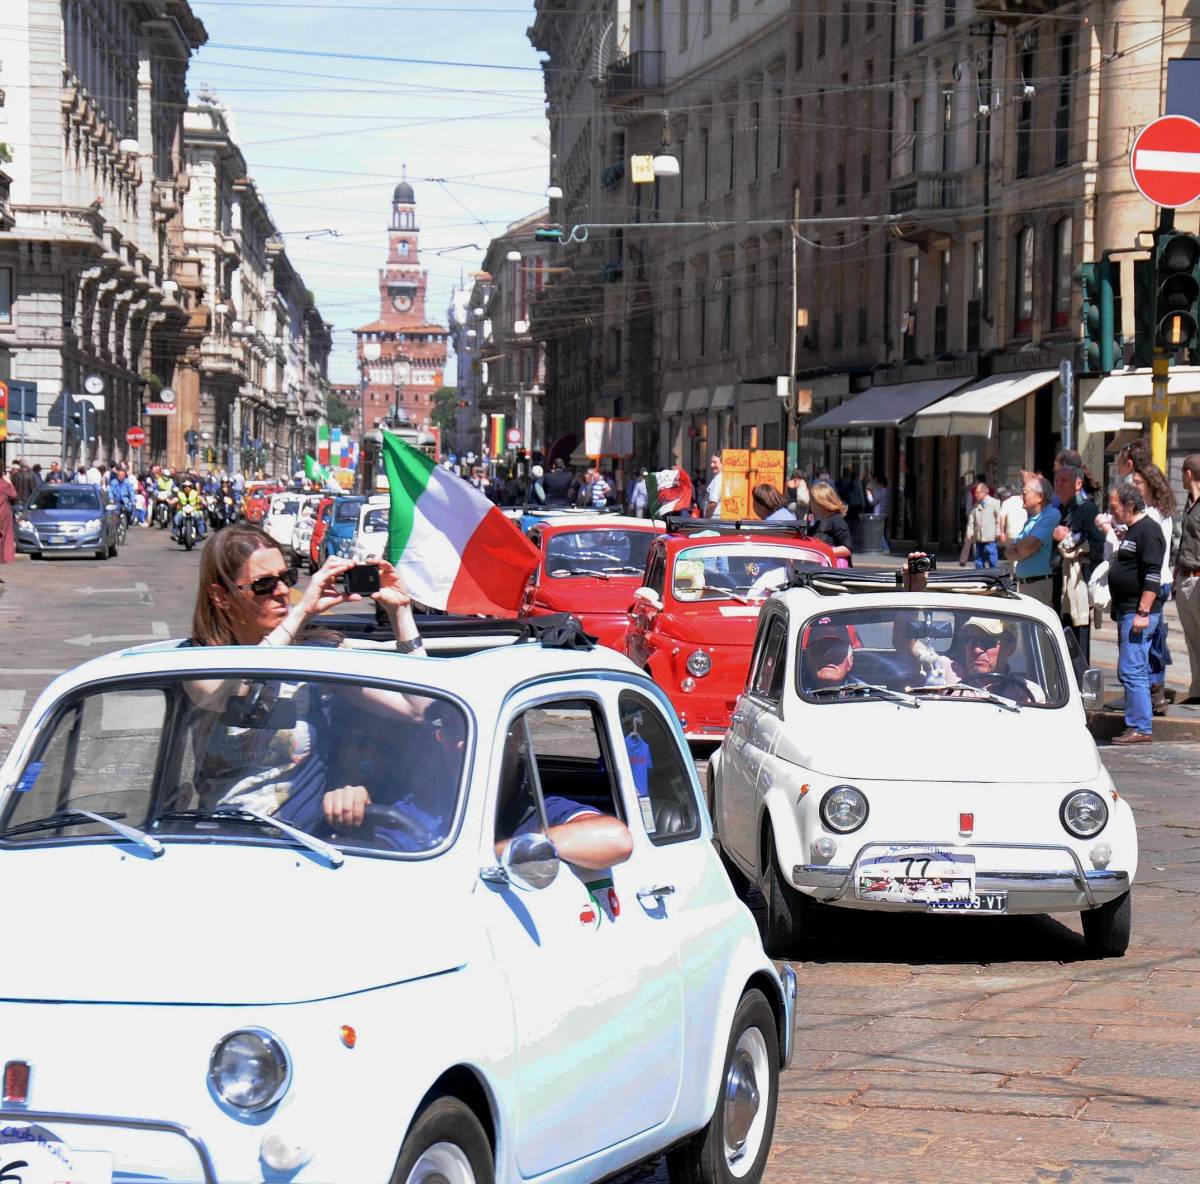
(27, 431)
(969, 413)
(673, 403)
(884, 406)
(1104, 409)
(722, 398)
(697, 399)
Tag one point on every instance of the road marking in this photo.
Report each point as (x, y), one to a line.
(158, 632)
(11, 703)
(1162, 161)
(139, 588)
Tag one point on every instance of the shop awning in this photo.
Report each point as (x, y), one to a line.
(884, 406)
(1105, 409)
(697, 399)
(969, 413)
(722, 398)
(673, 403)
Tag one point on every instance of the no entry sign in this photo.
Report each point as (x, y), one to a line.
(135, 437)
(1165, 161)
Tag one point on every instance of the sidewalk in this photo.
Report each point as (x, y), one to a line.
(1180, 723)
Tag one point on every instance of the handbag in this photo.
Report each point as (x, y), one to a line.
(1098, 592)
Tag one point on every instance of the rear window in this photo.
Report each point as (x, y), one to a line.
(345, 511)
(598, 552)
(65, 499)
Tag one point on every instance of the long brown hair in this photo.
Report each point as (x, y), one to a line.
(826, 496)
(221, 563)
(1158, 489)
(767, 499)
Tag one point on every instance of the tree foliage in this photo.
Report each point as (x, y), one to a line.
(339, 412)
(445, 408)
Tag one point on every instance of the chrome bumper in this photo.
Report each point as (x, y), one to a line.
(787, 978)
(154, 1125)
(837, 880)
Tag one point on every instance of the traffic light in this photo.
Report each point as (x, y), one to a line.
(1177, 289)
(1145, 324)
(1103, 348)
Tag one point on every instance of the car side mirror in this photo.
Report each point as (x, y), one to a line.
(648, 597)
(529, 862)
(1092, 689)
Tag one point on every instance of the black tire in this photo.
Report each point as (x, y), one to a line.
(102, 553)
(787, 909)
(704, 1158)
(35, 555)
(1106, 929)
(445, 1121)
(112, 551)
(189, 536)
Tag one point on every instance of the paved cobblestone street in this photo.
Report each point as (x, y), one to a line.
(929, 1048)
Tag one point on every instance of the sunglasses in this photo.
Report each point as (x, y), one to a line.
(265, 585)
(976, 641)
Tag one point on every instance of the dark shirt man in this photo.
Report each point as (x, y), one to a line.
(23, 480)
(1136, 568)
(1079, 517)
(558, 484)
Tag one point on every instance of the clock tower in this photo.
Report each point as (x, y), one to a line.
(401, 356)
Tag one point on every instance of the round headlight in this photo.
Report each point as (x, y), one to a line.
(1083, 813)
(249, 1069)
(843, 809)
(699, 663)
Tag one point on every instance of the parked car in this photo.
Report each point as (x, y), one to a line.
(920, 752)
(691, 624)
(526, 517)
(590, 568)
(303, 531)
(66, 518)
(256, 499)
(320, 523)
(393, 1001)
(341, 525)
(371, 533)
(283, 513)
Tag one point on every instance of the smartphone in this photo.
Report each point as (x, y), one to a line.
(361, 580)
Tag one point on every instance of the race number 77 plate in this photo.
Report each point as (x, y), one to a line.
(921, 875)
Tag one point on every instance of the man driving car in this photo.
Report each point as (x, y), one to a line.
(987, 644)
(828, 656)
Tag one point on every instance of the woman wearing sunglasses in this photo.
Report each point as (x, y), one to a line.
(245, 594)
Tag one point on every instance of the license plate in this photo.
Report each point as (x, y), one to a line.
(981, 902)
(47, 1162)
(56, 538)
(915, 876)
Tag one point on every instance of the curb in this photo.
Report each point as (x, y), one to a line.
(1104, 725)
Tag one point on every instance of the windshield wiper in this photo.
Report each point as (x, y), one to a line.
(243, 813)
(78, 818)
(864, 688)
(626, 567)
(974, 692)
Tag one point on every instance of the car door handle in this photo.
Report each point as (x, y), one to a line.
(658, 891)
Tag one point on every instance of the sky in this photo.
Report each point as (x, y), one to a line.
(330, 102)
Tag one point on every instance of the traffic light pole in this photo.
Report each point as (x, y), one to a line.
(1159, 376)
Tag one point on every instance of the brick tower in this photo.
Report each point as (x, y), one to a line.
(397, 387)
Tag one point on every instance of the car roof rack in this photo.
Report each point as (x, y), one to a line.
(682, 524)
(454, 636)
(992, 581)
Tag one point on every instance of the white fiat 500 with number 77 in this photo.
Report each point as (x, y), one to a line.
(229, 973)
(920, 751)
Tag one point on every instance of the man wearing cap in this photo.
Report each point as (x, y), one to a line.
(189, 497)
(828, 656)
(1030, 549)
(987, 645)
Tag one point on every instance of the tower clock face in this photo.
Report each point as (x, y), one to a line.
(402, 303)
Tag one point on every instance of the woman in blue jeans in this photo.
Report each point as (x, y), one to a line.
(1135, 583)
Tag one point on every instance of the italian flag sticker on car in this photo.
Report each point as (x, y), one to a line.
(602, 902)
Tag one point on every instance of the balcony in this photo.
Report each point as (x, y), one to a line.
(921, 193)
(637, 74)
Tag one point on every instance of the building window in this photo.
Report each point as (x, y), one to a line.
(701, 319)
(799, 64)
(705, 161)
(941, 312)
(981, 123)
(1025, 113)
(918, 20)
(949, 13)
(975, 294)
(752, 305)
(1023, 284)
(756, 139)
(404, 246)
(821, 35)
(910, 315)
(916, 115)
(775, 292)
(684, 17)
(708, 5)
(818, 192)
(779, 108)
(845, 24)
(866, 171)
(837, 330)
(862, 324)
(869, 20)
(1062, 113)
(726, 312)
(840, 183)
(1061, 273)
(734, 6)
(6, 282)
(731, 137)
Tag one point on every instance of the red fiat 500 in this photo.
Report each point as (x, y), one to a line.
(691, 624)
(590, 568)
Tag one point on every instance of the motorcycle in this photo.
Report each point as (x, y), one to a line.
(188, 529)
(223, 512)
(162, 512)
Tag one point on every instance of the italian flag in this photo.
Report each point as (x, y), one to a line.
(453, 548)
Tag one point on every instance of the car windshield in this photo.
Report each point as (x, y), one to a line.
(65, 499)
(749, 571)
(375, 520)
(974, 653)
(598, 552)
(187, 760)
(346, 511)
(286, 507)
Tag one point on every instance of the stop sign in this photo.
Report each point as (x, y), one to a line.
(135, 437)
(1165, 161)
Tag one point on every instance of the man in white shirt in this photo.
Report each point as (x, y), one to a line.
(712, 494)
(92, 477)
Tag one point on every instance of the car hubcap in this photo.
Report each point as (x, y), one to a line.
(442, 1163)
(745, 1105)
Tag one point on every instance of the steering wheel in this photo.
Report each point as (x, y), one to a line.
(1008, 685)
(390, 818)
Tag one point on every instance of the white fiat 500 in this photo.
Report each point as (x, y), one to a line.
(212, 982)
(920, 751)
